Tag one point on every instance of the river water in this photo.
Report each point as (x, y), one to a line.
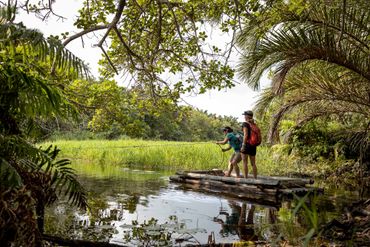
(142, 208)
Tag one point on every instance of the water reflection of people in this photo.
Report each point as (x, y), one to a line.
(245, 226)
(238, 222)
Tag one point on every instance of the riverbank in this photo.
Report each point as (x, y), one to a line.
(352, 228)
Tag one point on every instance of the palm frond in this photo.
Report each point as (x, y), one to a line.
(319, 34)
(63, 177)
(320, 61)
(287, 48)
(323, 90)
(36, 48)
(9, 177)
(359, 141)
(15, 151)
(266, 99)
(27, 85)
(20, 159)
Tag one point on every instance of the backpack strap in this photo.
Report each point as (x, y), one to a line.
(247, 125)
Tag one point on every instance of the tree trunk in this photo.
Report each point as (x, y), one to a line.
(40, 213)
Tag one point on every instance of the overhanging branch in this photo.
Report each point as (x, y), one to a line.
(80, 34)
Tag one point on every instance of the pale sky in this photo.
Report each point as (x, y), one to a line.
(227, 102)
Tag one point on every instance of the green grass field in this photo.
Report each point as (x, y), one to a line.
(156, 155)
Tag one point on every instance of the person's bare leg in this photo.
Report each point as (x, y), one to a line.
(237, 160)
(237, 170)
(250, 215)
(254, 167)
(245, 165)
(228, 174)
(241, 221)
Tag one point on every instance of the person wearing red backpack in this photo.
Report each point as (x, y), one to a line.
(252, 138)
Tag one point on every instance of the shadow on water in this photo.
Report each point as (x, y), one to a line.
(135, 207)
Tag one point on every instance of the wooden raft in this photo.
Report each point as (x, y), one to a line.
(265, 188)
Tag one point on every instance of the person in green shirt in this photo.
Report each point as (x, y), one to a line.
(235, 144)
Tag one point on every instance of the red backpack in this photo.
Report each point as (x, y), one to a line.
(255, 137)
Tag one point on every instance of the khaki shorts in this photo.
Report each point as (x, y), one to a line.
(236, 157)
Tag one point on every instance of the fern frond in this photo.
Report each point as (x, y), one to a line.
(63, 177)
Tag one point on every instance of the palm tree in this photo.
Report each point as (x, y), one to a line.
(33, 71)
(319, 59)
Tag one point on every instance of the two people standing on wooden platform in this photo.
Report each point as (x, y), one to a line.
(245, 147)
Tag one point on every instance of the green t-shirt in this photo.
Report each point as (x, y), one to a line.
(234, 141)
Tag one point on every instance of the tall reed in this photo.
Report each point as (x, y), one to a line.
(143, 154)
(156, 155)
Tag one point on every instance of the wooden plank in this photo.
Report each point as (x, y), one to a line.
(303, 180)
(240, 190)
(284, 180)
(232, 180)
(232, 189)
(253, 198)
(216, 172)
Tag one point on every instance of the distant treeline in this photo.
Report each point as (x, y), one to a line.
(107, 111)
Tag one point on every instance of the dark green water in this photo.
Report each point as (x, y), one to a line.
(121, 200)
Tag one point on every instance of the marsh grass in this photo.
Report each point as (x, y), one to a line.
(144, 154)
(170, 155)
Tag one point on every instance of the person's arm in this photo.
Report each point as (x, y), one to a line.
(245, 136)
(223, 142)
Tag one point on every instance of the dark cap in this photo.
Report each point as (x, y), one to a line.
(228, 129)
(249, 113)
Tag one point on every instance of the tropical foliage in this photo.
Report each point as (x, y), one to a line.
(31, 68)
(317, 53)
(318, 57)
